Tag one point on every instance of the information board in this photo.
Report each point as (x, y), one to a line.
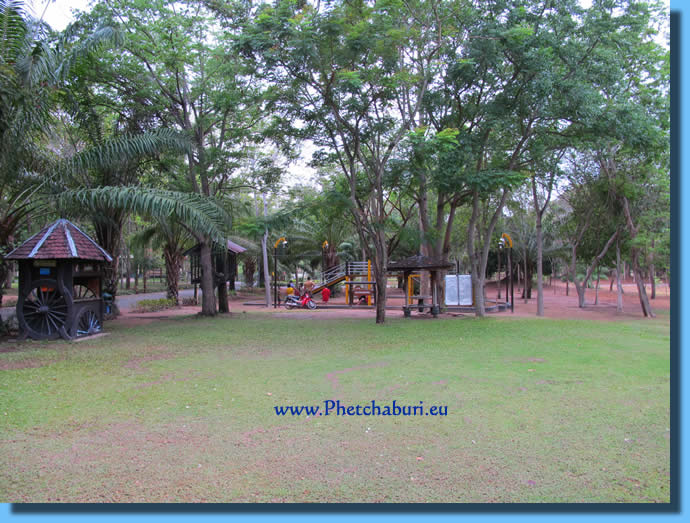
(459, 289)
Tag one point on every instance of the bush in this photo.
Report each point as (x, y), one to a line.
(187, 302)
(153, 305)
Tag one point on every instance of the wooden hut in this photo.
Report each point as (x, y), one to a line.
(224, 263)
(60, 283)
(414, 265)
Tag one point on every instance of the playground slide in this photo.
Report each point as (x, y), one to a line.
(321, 287)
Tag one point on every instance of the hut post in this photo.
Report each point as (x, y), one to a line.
(434, 293)
(406, 306)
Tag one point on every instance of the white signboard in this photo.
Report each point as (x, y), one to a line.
(458, 289)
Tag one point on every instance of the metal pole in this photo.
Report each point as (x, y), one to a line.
(498, 286)
(512, 290)
(457, 280)
(510, 274)
(275, 278)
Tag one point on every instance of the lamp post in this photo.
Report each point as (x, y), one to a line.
(500, 251)
(279, 241)
(324, 249)
(509, 243)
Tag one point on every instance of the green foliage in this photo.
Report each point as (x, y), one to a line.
(200, 214)
(153, 305)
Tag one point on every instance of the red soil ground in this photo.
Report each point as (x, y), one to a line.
(556, 305)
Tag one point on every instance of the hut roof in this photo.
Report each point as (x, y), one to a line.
(59, 241)
(419, 262)
(232, 247)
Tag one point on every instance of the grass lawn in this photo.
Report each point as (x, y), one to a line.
(183, 410)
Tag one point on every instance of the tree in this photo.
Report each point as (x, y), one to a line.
(33, 64)
(633, 145)
(173, 239)
(353, 76)
(173, 60)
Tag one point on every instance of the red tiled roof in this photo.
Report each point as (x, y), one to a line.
(58, 241)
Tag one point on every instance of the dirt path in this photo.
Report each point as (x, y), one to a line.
(556, 305)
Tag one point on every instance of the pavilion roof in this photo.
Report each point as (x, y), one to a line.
(61, 240)
(232, 247)
(419, 262)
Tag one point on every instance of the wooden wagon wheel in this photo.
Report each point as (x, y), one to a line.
(81, 292)
(88, 323)
(45, 312)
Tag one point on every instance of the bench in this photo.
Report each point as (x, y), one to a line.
(155, 273)
(407, 309)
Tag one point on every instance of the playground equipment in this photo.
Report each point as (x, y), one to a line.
(350, 274)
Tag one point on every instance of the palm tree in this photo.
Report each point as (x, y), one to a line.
(197, 214)
(173, 238)
(30, 71)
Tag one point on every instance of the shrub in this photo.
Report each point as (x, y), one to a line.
(187, 302)
(153, 305)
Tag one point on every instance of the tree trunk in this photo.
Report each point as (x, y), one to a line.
(635, 261)
(208, 298)
(528, 279)
(651, 271)
(8, 277)
(108, 236)
(583, 286)
(479, 259)
(619, 286)
(639, 281)
(264, 254)
(173, 262)
(249, 270)
(477, 280)
(223, 306)
(596, 289)
(524, 265)
(381, 277)
(567, 281)
(425, 247)
(4, 271)
(540, 268)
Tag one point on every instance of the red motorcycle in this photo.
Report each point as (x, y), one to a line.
(305, 301)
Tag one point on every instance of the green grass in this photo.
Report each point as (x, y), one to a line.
(182, 410)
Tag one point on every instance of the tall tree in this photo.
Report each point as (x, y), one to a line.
(354, 76)
(174, 60)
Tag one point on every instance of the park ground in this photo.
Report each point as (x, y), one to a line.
(171, 407)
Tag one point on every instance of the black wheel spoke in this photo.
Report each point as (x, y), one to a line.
(57, 319)
(52, 322)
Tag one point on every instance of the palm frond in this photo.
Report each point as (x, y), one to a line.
(200, 214)
(122, 149)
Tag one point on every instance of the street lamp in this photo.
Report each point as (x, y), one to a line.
(500, 251)
(324, 249)
(509, 243)
(279, 241)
